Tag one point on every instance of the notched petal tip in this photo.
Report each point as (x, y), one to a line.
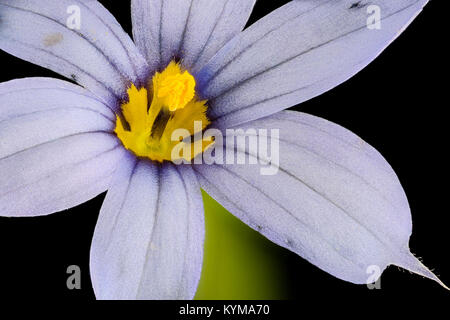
(411, 263)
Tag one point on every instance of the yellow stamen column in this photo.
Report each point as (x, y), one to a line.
(174, 106)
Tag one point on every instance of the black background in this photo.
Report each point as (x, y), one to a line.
(397, 104)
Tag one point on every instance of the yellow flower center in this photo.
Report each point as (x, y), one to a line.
(153, 132)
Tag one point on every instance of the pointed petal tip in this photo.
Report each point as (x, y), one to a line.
(411, 263)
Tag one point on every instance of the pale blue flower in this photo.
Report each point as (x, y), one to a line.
(335, 201)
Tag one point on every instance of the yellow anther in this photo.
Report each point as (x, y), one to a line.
(174, 106)
(174, 87)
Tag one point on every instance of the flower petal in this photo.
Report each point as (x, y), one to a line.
(148, 242)
(298, 52)
(191, 30)
(335, 201)
(55, 152)
(99, 55)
